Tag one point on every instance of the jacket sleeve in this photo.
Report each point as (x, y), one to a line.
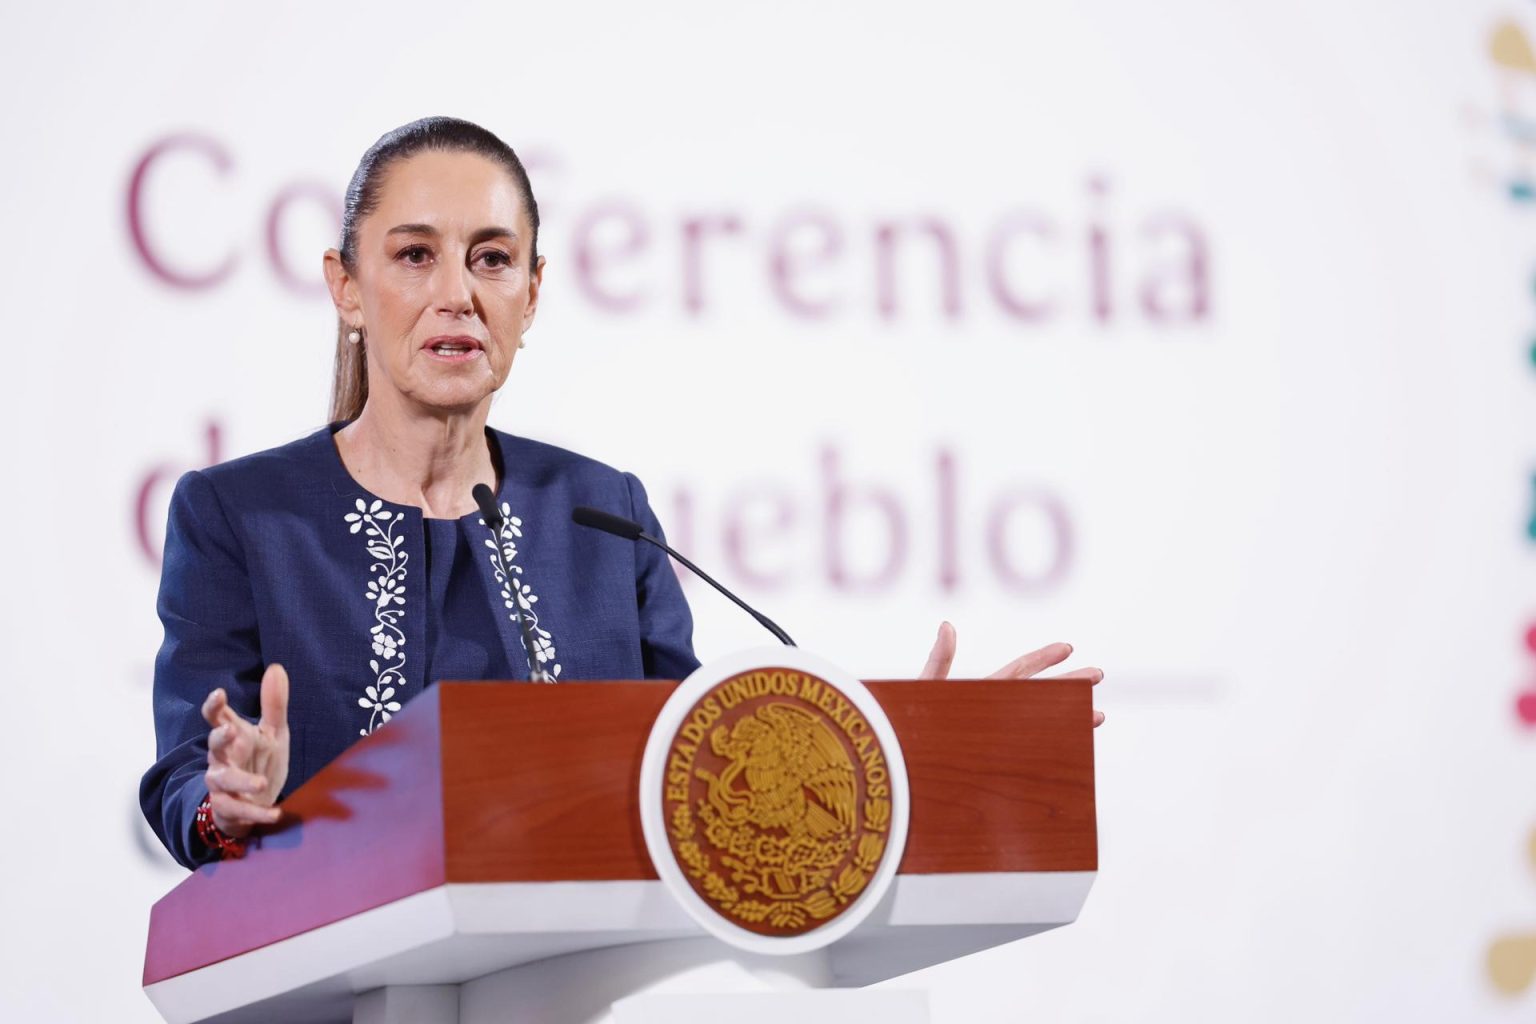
(666, 624)
(211, 640)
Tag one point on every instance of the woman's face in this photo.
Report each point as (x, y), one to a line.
(442, 286)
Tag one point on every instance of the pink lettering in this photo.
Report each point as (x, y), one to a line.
(745, 532)
(1177, 292)
(1011, 301)
(327, 200)
(885, 266)
(604, 238)
(137, 229)
(146, 528)
(840, 497)
(1053, 517)
(788, 262)
(694, 231)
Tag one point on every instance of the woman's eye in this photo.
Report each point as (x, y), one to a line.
(409, 254)
(495, 258)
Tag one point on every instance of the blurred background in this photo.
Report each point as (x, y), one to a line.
(1200, 335)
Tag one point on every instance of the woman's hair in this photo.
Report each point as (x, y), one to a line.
(349, 386)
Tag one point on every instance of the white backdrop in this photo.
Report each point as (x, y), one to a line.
(1204, 343)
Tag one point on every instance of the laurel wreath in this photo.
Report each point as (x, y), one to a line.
(818, 905)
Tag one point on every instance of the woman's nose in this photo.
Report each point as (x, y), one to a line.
(455, 290)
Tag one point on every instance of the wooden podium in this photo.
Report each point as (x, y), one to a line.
(481, 859)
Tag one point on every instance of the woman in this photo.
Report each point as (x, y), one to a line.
(354, 561)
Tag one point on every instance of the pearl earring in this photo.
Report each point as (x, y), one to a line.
(522, 343)
(355, 335)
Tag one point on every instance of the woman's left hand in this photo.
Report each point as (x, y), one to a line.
(1022, 667)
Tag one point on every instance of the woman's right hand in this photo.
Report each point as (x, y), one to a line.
(247, 762)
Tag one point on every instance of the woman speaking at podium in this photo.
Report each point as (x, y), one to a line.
(309, 591)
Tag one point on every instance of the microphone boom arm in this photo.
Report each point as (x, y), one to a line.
(607, 522)
(762, 619)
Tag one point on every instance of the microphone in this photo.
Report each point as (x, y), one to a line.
(597, 519)
(493, 519)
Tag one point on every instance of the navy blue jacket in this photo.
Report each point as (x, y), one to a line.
(282, 557)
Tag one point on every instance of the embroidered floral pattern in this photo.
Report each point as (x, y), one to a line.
(386, 591)
(504, 561)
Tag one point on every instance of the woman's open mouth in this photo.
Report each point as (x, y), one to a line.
(457, 349)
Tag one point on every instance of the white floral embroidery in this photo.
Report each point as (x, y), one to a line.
(504, 561)
(387, 594)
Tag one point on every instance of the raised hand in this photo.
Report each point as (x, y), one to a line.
(247, 762)
(1024, 666)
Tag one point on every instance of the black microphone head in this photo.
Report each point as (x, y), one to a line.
(596, 518)
(487, 502)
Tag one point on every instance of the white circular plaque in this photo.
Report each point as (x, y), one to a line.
(774, 800)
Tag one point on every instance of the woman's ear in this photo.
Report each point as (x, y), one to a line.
(342, 288)
(535, 282)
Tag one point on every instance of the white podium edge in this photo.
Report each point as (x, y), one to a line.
(557, 918)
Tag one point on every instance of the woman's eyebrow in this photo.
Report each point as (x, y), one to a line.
(493, 232)
(478, 236)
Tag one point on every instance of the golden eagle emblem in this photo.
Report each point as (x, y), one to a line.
(778, 790)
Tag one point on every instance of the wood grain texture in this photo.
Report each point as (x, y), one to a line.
(1001, 774)
(496, 782)
(544, 786)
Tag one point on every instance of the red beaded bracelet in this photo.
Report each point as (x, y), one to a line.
(229, 847)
